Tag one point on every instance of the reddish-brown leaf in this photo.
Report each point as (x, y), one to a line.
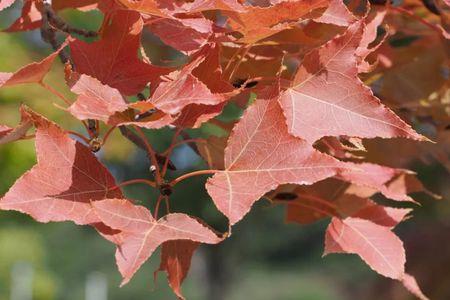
(4, 130)
(331, 197)
(212, 150)
(113, 59)
(328, 99)
(66, 178)
(194, 115)
(410, 283)
(260, 22)
(336, 13)
(382, 215)
(8, 135)
(262, 155)
(149, 7)
(95, 100)
(6, 3)
(31, 73)
(172, 96)
(176, 259)
(377, 177)
(369, 35)
(186, 35)
(204, 5)
(377, 245)
(30, 18)
(142, 234)
(210, 72)
(80, 4)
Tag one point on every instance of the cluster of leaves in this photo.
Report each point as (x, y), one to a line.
(300, 144)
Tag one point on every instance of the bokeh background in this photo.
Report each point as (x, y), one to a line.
(264, 258)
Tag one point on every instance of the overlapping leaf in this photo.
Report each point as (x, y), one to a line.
(172, 96)
(31, 73)
(262, 155)
(31, 17)
(175, 261)
(141, 234)
(113, 59)
(377, 245)
(327, 98)
(186, 35)
(101, 102)
(6, 3)
(377, 177)
(66, 178)
(334, 198)
(8, 134)
(4, 130)
(96, 101)
(259, 23)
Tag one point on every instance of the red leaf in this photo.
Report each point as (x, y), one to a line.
(381, 215)
(337, 13)
(331, 197)
(328, 99)
(376, 177)
(142, 234)
(258, 23)
(149, 7)
(176, 259)
(193, 115)
(185, 35)
(369, 35)
(209, 71)
(95, 101)
(410, 283)
(6, 3)
(30, 19)
(113, 59)
(4, 130)
(101, 102)
(377, 245)
(80, 4)
(204, 5)
(156, 119)
(8, 135)
(171, 97)
(262, 155)
(31, 73)
(66, 178)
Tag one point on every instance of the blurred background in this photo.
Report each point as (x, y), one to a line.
(264, 258)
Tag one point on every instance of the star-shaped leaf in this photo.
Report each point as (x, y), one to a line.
(66, 178)
(141, 234)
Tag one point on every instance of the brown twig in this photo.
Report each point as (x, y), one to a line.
(136, 140)
(192, 174)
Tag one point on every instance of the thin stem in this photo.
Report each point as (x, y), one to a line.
(85, 139)
(235, 54)
(107, 134)
(158, 203)
(413, 16)
(166, 200)
(152, 154)
(236, 66)
(55, 92)
(134, 181)
(29, 137)
(192, 174)
(182, 143)
(168, 152)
